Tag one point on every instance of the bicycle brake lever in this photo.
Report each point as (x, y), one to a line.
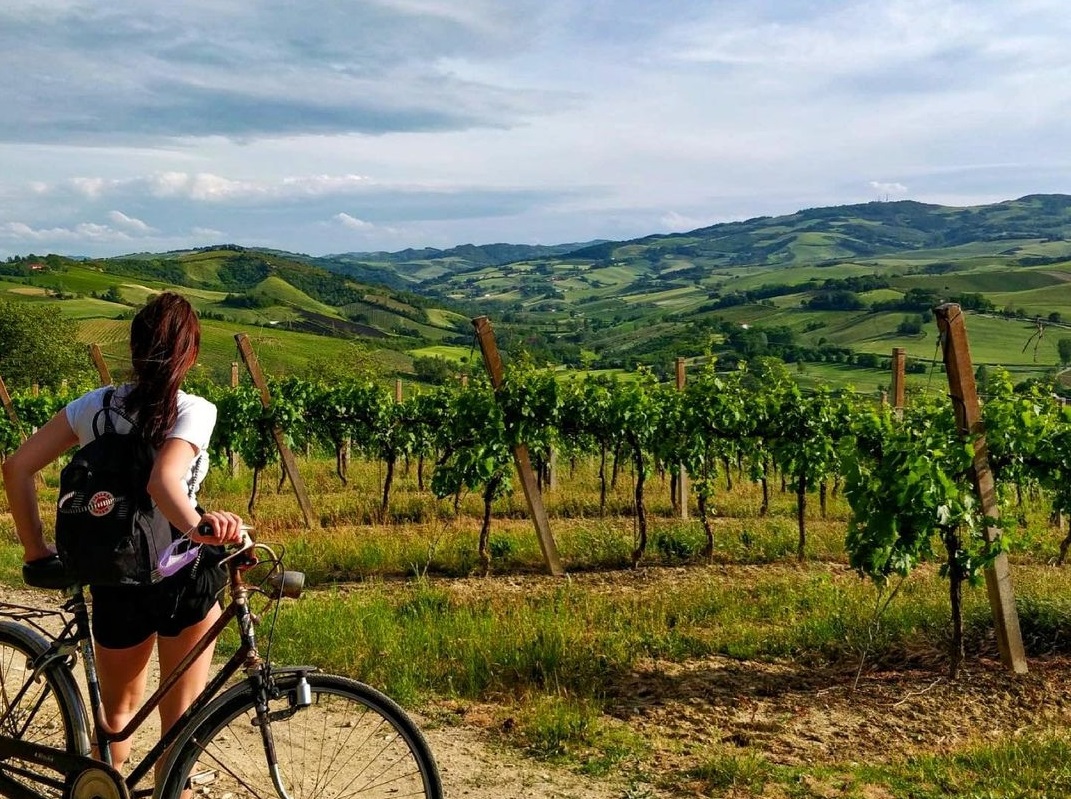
(246, 546)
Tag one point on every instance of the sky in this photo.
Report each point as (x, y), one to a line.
(327, 127)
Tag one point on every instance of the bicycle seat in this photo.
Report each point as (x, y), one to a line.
(47, 572)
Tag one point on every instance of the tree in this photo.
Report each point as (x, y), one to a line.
(39, 345)
(910, 326)
(1063, 346)
(475, 452)
(715, 423)
(435, 369)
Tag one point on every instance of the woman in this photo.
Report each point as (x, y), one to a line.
(173, 614)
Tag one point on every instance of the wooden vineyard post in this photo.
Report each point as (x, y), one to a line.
(682, 477)
(899, 359)
(493, 362)
(232, 456)
(102, 368)
(968, 412)
(245, 349)
(398, 390)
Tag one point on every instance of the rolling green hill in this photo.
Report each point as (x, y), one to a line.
(299, 316)
(834, 289)
(856, 277)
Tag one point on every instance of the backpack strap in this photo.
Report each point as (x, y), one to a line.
(107, 410)
(109, 425)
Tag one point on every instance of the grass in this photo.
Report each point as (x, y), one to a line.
(988, 282)
(558, 729)
(1034, 766)
(450, 353)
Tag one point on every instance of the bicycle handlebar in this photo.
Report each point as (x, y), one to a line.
(246, 541)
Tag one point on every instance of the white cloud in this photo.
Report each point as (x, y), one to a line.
(129, 223)
(91, 188)
(206, 187)
(88, 232)
(202, 187)
(320, 185)
(440, 121)
(352, 222)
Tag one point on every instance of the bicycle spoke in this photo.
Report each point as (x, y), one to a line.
(253, 793)
(350, 742)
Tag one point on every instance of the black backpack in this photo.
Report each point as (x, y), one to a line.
(107, 529)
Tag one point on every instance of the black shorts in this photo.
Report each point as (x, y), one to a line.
(125, 615)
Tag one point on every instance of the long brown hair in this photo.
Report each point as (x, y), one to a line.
(165, 338)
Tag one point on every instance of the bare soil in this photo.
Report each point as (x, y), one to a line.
(796, 715)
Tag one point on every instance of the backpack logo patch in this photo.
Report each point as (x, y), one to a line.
(101, 503)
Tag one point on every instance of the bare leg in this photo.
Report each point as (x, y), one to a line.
(172, 650)
(189, 686)
(123, 674)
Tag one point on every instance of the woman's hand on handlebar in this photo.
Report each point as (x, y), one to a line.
(226, 528)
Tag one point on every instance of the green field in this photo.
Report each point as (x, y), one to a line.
(450, 353)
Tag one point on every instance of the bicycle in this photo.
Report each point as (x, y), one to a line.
(287, 732)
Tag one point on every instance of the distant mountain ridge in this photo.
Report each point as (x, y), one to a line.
(474, 254)
(861, 230)
(812, 235)
(406, 267)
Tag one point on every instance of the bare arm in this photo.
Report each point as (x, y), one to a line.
(41, 449)
(166, 487)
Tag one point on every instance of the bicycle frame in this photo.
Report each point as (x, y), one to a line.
(77, 636)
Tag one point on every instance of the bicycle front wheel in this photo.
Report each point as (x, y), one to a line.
(332, 737)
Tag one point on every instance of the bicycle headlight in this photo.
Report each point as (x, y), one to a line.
(286, 584)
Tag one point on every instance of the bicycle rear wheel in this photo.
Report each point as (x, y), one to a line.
(47, 710)
(340, 738)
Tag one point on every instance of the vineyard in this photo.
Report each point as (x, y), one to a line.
(885, 491)
(904, 472)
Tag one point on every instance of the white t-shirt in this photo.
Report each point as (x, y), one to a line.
(194, 423)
